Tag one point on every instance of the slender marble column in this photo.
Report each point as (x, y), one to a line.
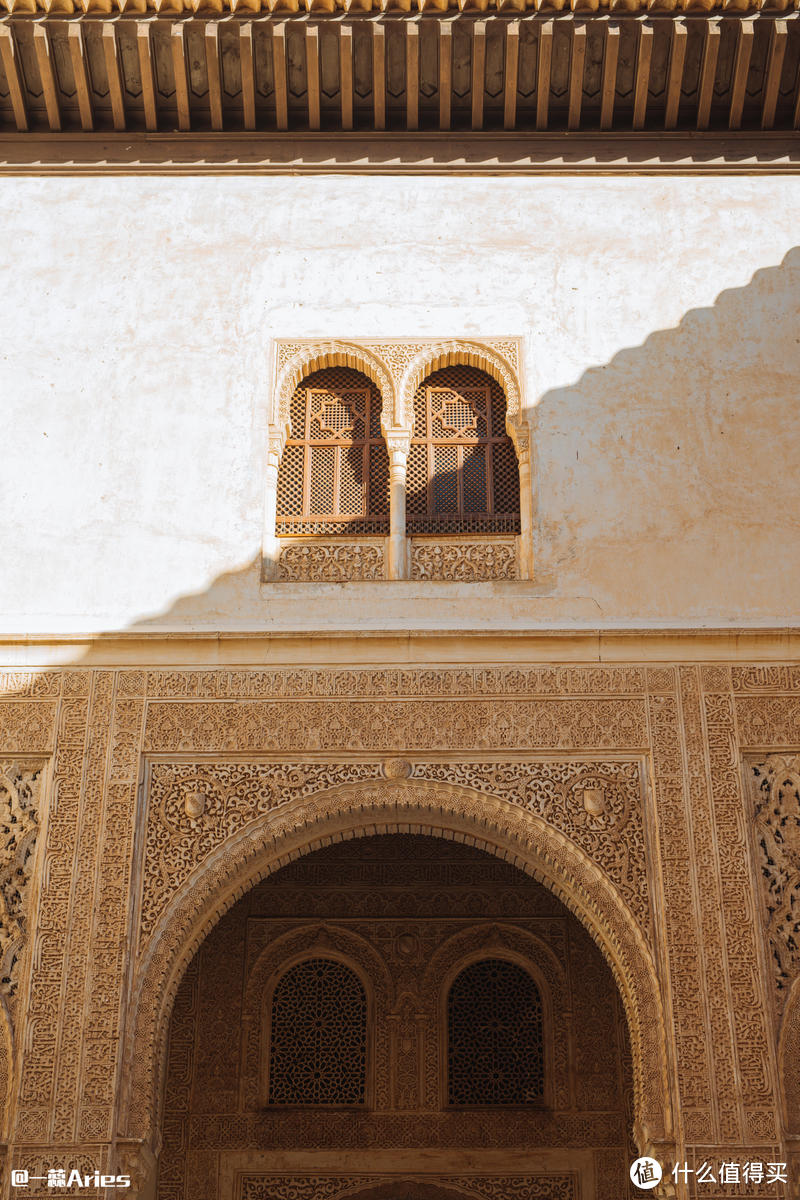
(398, 442)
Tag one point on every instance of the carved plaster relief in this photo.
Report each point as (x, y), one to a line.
(776, 796)
(463, 561)
(459, 1187)
(195, 807)
(328, 561)
(694, 722)
(396, 367)
(19, 828)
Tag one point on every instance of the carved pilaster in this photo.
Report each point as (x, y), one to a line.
(270, 548)
(520, 434)
(19, 826)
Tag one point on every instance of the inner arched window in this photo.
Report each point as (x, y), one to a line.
(462, 468)
(318, 1036)
(495, 1049)
(334, 472)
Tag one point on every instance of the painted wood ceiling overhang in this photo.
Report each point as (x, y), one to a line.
(328, 70)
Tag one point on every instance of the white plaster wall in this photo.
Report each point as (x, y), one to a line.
(662, 326)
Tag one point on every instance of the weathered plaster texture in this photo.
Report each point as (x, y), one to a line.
(662, 327)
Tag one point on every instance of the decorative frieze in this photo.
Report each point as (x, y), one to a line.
(260, 1186)
(462, 561)
(264, 726)
(400, 683)
(329, 561)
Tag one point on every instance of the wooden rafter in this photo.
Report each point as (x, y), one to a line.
(8, 56)
(111, 53)
(744, 50)
(445, 73)
(543, 80)
(379, 75)
(772, 77)
(478, 72)
(511, 75)
(609, 84)
(45, 64)
(675, 77)
(77, 52)
(576, 69)
(346, 75)
(412, 75)
(248, 76)
(644, 57)
(146, 68)
(312, 76)
(279, 76)
(181, 77)
(708, 73)
(211, 40)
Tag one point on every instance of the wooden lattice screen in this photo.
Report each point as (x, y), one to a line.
(334, 472)
(462, 469)
(318, 1036)
(495, 1049)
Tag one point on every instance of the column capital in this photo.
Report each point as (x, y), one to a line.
(398, 443)
(519, 431)
(276, 440)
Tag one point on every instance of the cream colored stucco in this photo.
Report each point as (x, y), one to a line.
(661, 319)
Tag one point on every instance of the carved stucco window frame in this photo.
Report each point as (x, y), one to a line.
(265, 1065)
(397, 368)
(504, 953)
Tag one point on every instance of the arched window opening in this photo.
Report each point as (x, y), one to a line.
(462, 469)
(334, 472)
(495, 1051)
(318, 1036)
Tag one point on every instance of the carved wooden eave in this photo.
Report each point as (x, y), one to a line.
(634, 70)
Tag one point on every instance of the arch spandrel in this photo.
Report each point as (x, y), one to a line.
(454, 353)
(386, 807)
(319, 355)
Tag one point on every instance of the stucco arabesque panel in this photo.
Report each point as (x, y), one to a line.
(396, 367)
(765, 698)
(195, 807)
(397, 683)
(554, 1186)
(413, 806)
(351, 726)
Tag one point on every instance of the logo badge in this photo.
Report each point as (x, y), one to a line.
(646, 1173)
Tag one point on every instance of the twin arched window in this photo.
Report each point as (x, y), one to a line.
(319, 1036)
(462, 469)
